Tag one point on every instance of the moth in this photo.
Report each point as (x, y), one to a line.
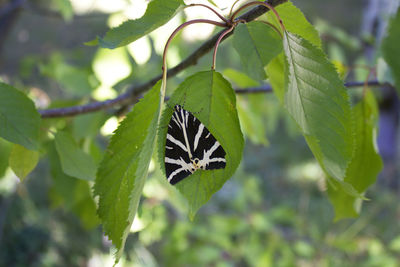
(189, 147)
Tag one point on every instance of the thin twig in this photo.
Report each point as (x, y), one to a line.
(135, 91)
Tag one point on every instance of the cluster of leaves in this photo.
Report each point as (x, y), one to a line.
(257, 228)
(306, 83)
(270, 220)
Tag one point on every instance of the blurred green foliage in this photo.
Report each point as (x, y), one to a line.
(266, 215)
(273, 212)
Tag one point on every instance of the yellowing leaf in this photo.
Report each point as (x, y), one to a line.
(366, 163)
(23, 161)
(276, 75)
(5, 150)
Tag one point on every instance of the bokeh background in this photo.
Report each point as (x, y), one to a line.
(273, 212)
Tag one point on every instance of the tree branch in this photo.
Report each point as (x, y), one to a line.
(267, 88)
(8, 17)
(135, 91)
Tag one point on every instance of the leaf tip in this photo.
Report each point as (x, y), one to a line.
(93, 42)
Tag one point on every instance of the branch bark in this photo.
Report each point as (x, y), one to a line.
(267, 88)
(131, 95)
(8, 16)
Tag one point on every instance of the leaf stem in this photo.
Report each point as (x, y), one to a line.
(258, 4)
(218, 42)
(213, 10)
(175, 32)
(365, 87)
(272, 26)
(233, 5)
(132, 93)
(180, 27)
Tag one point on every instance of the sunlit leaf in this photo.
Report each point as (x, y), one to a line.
(23, 161)
(366, 163)
(252, 119)
(250, 108)
(318, 101)
(123, 170)
(390, 48)
(276, 76)
(240, 79)
(383, 72)
(74, 161)
(65, 9)
(211, 98)
(212, 3)
(158, 13)
(256, 43)
(395, 244)
(295, 22)
(19, 119)
(111, 66)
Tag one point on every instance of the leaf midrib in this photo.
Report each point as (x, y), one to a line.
(293, 66)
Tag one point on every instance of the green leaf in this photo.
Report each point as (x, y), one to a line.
(295, 22)
(70, 193)
(390, 48)
(250, 108)
(65, 9)
(19, 119)
(366, 163)
(256, 43)
(239, 78)
(318, 101)
(74, 161)
(252, 119)
(157, 14)
(211, 98)
(212, 3)
(383, 72)
(341, 37)
(77, 81)
(276, 76)
(23, 161)
(123, 171)
(5, 149)
(88, 125)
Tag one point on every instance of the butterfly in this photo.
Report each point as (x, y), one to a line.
(189, 147)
